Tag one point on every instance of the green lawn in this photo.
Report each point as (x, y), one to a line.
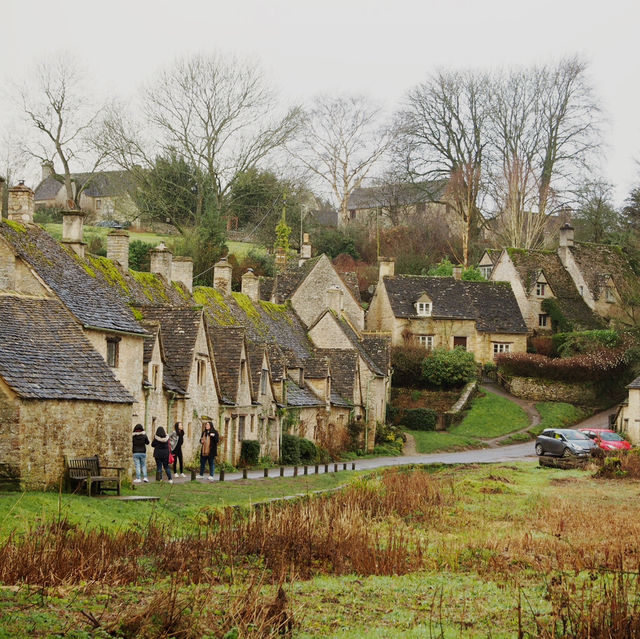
(558, 415)
(440, 441)
(491, 416)
(183, 504)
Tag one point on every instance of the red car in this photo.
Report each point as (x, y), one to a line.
(606, 439)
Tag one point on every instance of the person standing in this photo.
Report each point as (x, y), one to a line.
(140, 443)
(160, 445)
(208, 449)
(176, 439)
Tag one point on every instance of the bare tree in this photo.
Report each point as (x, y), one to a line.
(339, 143)
(595, 216)
(57, 105)
(441, 133)
(214, 112)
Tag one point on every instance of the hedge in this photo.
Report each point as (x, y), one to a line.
(576, 343)
(249, 452)
(290, 453)
(407, 366)
(449, 368)
(308, 451)
(420, 419)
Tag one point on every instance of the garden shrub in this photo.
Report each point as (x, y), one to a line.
(308, 451)
(407, 366)
(391, 414)
(449, 368)
(290, 454)
(420, 419)
(593, 366)
(249, 452)
(569, 344)
(559, 322)
(139, 255)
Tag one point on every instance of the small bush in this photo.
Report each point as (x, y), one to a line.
(308, 451)
(449, 368)
(290, 454)
(139, 256)
(570, 344)
(420, 419)
(407, 366)
(391, 414)
(250, 452)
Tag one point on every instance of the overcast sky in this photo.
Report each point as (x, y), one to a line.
(380, 48)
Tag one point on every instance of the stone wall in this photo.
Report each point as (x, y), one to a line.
(37, 435)
(542, 390)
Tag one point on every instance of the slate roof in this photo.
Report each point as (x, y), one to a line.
(491, 304)
(101, 184)
(360, 347)
(153, 328)
(265, 285)
(255, 355)
(227, 345)
(635, 383)
(325, 218)
(379, 349)
(598, 262)
(44, 354)
(344, 368)
(316, 367)
(179, 331)
(300, 397)
(530, 263)
(290, 278)
(78, 286)
(397, 194)
(351, 280)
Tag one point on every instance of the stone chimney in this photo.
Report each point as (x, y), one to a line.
(47, 170)
(566, 235)
(281, 259)
(182, 271)
(457, 272)
(20, 207)
(386, 266)
(72, 230)
(305, 250)
(118, 247)
(335, 295)
(222, 276)
(251, 285)
(161, 258)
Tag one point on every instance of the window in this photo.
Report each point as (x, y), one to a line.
(486, 271)
(252, 423)
(98, 205)
(501, 347)
(426, 341)
(543, 319)
(241, 422)
(263, 381)
(201, 371)
(609, 294)
(352, 214)
(155, 373)
(540, 289)
(581, 291)
(113, 344)
(460, 342)
(423, 308)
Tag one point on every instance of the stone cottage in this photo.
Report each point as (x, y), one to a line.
(481, 317)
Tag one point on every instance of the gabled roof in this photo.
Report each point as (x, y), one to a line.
(316, 367)
(99, 184)
(529, 263)
(72, 280)
(153, 328)
(227, 345)
(179, 332)
(379, 349)
(255, 357)
(301, 397)
(491, 304)
(44, 354)
(598, 262)
(360, 346)
(402, 194)
(344, 369)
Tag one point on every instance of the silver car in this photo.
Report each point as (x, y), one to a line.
(564, 442)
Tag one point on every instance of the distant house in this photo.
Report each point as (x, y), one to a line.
(105, 194)
(481, 317)
(590, 284)
(628, 416)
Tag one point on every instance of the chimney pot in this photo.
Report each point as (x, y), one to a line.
(387, 267)
(251, 285)
(566, 235)
(21, 206)
(222, 276)
(182, 271)
(161, 259)
(457, 272)
(118, 247)
(72, 230)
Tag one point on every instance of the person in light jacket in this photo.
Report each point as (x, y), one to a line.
(176, 440)
(160, 445)
(208, 449)
(140, 443)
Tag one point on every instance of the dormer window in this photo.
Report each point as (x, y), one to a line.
(540, 289)
(423, 308)
(486, 271)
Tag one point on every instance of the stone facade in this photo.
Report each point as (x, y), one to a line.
(540, 390)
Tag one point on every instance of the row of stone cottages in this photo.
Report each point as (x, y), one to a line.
(89, 347)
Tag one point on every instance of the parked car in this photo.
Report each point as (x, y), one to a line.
(564, 442)
(606, 439)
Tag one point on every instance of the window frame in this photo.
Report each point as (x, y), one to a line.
(423, 309)
(426, 341)
(541, 317)
(540, 289)
(501, 347)
(113, 352)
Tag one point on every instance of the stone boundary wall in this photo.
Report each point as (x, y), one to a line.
(544, 390)
(451, 416)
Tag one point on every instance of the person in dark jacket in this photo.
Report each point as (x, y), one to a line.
(176, 440)
(140, 443)
(160, 445)
(208, 449)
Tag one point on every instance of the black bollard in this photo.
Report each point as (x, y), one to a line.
(326, 468)
(193, 474)
(266, 472)
(353, 465)
(317, 469)
(158, 475)
(244, 473)
(222, 474)
(295, 471)
(344, 466)
(281, 471)
(306, 470)
(335, 468)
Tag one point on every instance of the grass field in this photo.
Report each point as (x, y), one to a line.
(498, 550)
(558, 415)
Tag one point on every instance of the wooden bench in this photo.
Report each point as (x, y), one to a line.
(88, 471)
